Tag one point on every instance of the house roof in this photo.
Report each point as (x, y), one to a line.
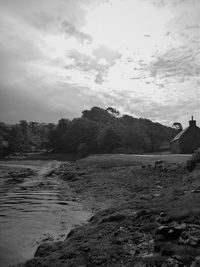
(178, 136)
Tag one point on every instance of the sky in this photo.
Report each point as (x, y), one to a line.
(60, 57)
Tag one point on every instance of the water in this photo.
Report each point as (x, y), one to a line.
(33, 209)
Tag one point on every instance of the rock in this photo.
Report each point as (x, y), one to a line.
(193, 241)
(148, 227)
(45, 249)
(159, 238)
(190, 237)
(117, 217)
(72, 232)
(167, 250)
(118, 241)
(184, 235)
(68, 176)
(197, 260)
(170, 232)
(170, 262)
(139, 264)
(194, 264)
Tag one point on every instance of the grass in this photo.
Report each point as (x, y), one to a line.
(44, 156)
(119, 160)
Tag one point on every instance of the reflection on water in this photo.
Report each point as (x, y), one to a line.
(31, 209)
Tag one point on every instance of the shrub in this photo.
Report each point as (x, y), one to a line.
(122, 150)
(191, 163)
(83, 150)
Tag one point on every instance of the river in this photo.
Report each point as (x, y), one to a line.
(34, 209)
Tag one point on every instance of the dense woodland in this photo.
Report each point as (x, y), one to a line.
(97, 131)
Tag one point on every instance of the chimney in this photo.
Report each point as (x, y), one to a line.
(192, 122)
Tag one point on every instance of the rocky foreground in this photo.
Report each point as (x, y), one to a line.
(142, 217)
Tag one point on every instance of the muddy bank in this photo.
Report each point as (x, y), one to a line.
(34, 208)
(15, 172)
(143, 217)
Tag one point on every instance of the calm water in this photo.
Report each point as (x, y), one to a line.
(34, 209)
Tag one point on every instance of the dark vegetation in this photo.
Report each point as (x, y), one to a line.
(97, 131)
(194, 161)
(177, 126)
(24, 137)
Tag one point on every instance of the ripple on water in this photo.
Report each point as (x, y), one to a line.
(31, 208)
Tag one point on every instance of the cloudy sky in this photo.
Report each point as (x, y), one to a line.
(59, 57)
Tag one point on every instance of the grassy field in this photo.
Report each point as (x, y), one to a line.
(117, 160)
(98, 160)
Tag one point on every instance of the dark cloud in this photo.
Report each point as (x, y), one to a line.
(16, 105)
(44, 105)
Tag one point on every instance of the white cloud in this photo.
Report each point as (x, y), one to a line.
(140, 56)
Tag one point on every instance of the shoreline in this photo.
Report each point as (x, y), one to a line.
(58, 213)
(143, 217)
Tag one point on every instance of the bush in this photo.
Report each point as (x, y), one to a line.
(195, 159)
(122, 150)
(83, 150)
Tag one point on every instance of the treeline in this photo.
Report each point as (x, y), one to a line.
(97, 131)
(24, 137)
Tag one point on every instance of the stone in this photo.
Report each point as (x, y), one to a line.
(170, 232)
(47, 248)
(197, 260)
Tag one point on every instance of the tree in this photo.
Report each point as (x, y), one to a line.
(82, 131)
(98, 115)
(1, 146)
(51, 143)
(177, 126)
(83, 150)
(115, 113)
(25, 135)
(17, 141)
(108, 139)
(60, 135)
(102, 130)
